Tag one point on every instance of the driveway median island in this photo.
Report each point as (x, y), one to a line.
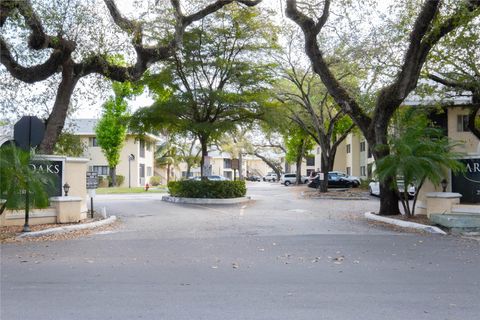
(206, 192)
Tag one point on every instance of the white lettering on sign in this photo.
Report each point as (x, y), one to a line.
(475, 167)
(50, 168)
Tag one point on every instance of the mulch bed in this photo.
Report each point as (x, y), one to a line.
(10, 233)
(341, 194)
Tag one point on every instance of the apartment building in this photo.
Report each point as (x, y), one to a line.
(137, 160)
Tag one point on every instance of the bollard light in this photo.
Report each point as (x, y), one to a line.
(444, 184)
(66, 188)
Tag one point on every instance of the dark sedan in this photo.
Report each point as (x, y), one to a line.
(334, 181)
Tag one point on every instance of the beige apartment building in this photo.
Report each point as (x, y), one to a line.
(137, 160)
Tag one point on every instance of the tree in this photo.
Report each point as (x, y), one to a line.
(111, 130)
(18, 178)
(166, 155)
(216, 81)
(308, 104)
(70, 145)
(298, 144)
(58, 47)
(455, 64)
(419, 152)
(430, 26)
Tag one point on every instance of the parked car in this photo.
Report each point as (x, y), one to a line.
(374, 188)
(290, 178)
(254, 178)
(212, 178)
(355, 180)
(334, 181)
(270, 177)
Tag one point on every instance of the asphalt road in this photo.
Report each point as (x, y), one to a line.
(277, 257)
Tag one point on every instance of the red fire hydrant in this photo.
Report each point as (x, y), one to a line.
(147, 186)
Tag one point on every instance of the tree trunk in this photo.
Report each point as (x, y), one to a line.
(325, 168)
(388, 196)
(168, 172)
(56, 120)
(189, 167)
(113, 177)
(300, 152)
(240, 165)
(203, 143)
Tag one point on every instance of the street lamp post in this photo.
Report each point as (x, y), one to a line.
(131, 157)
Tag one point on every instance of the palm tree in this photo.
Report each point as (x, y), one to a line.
(166, 155)
(418, 152)
(20, 185)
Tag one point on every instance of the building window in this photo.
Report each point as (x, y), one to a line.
(318, 150)
(142, 148)
(370, 152)
(462, 123)
(101, 170)
(149, 171)
(142, 170)
(228, 174)
(92, 142)
(227, 163)
(349, 171)
(362, 146)
(348, 148)
(363, 171)
(311, 161)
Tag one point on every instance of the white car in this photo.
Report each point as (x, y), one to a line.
(212, 178)
(374, 188)
(270, 177)
(290, 178)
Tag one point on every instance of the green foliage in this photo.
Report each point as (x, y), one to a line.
(217, 81)
(69, 145)
(207, 189)
(418, 152)
(16, 174)
(112, 127)
(118, 178)
(155, 181)
(298, 144)
(102, 182)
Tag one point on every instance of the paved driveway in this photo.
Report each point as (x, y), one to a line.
(277, 257)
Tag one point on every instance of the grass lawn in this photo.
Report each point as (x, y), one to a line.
(118, 190)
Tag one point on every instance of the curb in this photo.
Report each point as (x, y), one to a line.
(70, 228)
(404, 224)
(205, 200)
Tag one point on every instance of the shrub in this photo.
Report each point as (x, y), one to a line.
(207, 189)
(102, 182)
(120, 180)
(155, 181)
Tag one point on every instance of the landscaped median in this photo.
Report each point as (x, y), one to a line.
(404, 224)
(206, 192)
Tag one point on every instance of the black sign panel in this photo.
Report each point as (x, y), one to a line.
(53, 169)
(468, 183)
(92, 180)
(28, 132)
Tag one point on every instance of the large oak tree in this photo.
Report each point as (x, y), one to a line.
(430, 25)
(61, 54)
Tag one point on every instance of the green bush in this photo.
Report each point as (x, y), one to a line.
(155, 181)
(120, 180)
(207, 189)
(102, 182)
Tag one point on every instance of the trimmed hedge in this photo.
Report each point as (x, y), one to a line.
(207, 189)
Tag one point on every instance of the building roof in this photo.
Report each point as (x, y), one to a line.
(86, 127)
